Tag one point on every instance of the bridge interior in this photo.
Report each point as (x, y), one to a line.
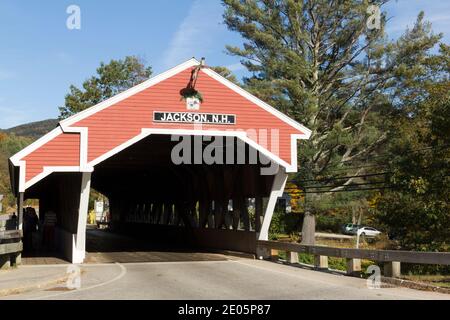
(217, 206)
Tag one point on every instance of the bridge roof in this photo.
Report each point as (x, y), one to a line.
(154, 107)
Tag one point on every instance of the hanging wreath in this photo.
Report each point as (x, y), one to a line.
(191, 93)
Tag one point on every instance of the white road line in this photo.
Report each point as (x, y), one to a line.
(123, 272)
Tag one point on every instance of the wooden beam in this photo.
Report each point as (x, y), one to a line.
(203, 208)
(442, 258)
(11, 234)
(258, 213)
(237, 207)
(218, 213)
(7, 248)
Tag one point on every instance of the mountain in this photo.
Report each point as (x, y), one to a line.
(33, 129)
(13, 140)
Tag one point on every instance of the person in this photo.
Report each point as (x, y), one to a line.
(30, 221)
(11, 224)
(49, 229)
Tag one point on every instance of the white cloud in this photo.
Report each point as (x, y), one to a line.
(196, 33)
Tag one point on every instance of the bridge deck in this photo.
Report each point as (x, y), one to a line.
(107, 247)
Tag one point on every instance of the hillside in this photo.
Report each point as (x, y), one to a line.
(33, 129)
(11, 141)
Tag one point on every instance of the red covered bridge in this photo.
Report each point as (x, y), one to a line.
(132, 148)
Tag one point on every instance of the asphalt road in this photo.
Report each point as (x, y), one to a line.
(236, 278)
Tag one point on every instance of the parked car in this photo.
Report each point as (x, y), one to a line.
(350, 228)
(369, 232)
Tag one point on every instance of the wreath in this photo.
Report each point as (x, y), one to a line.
(190, 93)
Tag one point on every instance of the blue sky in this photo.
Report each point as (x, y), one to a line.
(40, 57)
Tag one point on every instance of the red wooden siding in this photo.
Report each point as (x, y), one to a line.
(117, 124)
(124, 120)
(64, 150)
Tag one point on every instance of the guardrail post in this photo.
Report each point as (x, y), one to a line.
(262, 253)
(18, 259)
(320, 262)
(354, 267)
(392, 269)
(291, 257)
(5, 261)
(274, 255)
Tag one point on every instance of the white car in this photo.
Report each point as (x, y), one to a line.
(368, 232)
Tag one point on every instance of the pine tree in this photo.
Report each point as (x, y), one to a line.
(320, 63)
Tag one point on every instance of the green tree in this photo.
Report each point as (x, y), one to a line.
(111, 79)
(318, 62)
(226, 73)
(9, 145)
(416, 210)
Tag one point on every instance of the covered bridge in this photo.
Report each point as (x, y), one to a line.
(183, 168)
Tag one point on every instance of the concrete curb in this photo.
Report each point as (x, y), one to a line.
(35, 286)
(414, 285)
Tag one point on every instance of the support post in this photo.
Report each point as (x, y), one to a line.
(5, 261)
(236, 213)
(354, 267)
(277, 191)
(20, 211)
(274, 255)
(320, 262)
(79, 250)
(211, 217)
(291, 257)
(258, 213)
(245, 215)
(392, 269)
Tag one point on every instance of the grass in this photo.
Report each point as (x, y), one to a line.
(436, 280)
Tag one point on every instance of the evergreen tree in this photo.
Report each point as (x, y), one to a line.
(318, 62)
(416, 210)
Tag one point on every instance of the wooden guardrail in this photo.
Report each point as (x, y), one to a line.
(391, 258)
(10, 242)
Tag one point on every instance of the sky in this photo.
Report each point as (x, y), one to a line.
(40, 57)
